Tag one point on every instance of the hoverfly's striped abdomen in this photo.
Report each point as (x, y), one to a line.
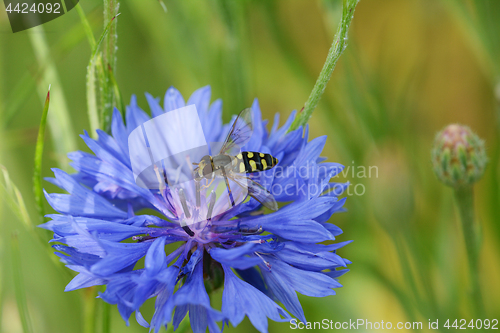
(247, 161)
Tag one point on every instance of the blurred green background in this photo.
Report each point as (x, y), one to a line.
(411, 67)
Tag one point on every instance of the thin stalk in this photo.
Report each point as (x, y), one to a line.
(108, 98)
(89, 313)
(106, 317)
(465, 201)
(20, 292)
(96, 68)
(338, 46)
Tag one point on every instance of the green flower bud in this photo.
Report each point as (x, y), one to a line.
(458, 156)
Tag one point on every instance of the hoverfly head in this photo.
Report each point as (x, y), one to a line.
(205, 169)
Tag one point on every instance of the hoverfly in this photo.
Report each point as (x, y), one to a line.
(236, 167)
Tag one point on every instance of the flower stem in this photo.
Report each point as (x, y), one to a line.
(338, 46)
(89, 314)
(108, 98)
(464, 196)
(106, 317)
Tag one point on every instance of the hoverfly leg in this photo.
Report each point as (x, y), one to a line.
(227, 185)
(182, 197)
(208, 184)
(211, 205)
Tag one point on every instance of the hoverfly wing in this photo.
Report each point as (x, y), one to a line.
(256, 191)
(240, 132)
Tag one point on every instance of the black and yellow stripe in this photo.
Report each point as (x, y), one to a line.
(247, 161)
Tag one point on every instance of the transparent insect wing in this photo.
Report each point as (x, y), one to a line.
(256, 191)
(240, 132)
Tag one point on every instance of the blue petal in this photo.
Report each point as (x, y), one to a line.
(255, 142)
(193, 293)
(240, 299)
(308, 283)
(155, 257)
(80, 201)
(201, 99)
(284, 293)
(119, 256)
(253, 277)
(214, 122)
(313, 258)
(156, 109)
(173, 100)
(83, 280)
(119, 131)
(135, 116)
(236, 257)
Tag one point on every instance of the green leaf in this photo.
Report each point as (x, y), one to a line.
(338, 46)
(37, 174)
(59, 122)
(19, 291)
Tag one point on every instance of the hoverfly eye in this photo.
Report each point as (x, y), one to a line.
(207, 171)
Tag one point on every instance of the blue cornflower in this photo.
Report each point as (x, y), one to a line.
(105, 226)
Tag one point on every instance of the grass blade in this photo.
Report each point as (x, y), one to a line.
(86, 25)
(37, 174)
(19, 291)
(92, 98)
(119, 101)
(104, 34)
(59, 122)
(14, 199)
(163, 5)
